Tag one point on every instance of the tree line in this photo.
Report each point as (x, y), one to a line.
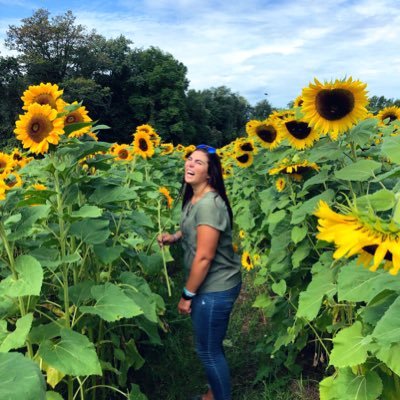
(121, 85)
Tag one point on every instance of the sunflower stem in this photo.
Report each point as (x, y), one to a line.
(162, 249)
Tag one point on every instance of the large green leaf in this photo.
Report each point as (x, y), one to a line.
(387, 329)
(21, 378)
(107, 254)
(112, 194)
(298, 233)
(301, 252)
(72, 355)
(87, 212)
(350, 347)
(30, 278)
(328, 389)
(381, 200)
(362, 132)
(135, 393)
(23, 228)
(356, 283)
(310, 300)
(91, 231)
(361, 170)
(390, 355)
(112, 303)
(53, 396)
(16, 338)
(374, 310)
(391, 149)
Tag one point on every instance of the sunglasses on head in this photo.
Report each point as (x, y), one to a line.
(209, 149)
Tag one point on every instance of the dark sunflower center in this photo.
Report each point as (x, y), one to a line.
(300, 130)
(300, 102)
(143, 145)
(247, 147)
(372, 248)
(17, 157)
(243, 158)
(39, 128)
(3, 164)
(73, 118)
(45, 98)
(334, 104)
(123, 154)
(392, 117)
(266, 133)
(248, 260)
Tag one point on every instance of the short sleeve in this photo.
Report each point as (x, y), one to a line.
(212, 213)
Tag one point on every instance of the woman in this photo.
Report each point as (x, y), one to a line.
(213, 269)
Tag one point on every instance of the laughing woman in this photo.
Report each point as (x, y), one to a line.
(213, 269)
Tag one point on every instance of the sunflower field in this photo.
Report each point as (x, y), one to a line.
(316, 201)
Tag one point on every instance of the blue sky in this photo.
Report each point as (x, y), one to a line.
(251, 46)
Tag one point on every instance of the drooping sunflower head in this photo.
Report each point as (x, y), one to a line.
(142, 145)
(375, 241)
(266, 132)
(247, 262)
(168, 148)
(45, 93)
(243, 160)
(334, 107)
(165, 192)
(122, 152)
(388, 115)
(39, 127)
(188, 150)
(295, 169)
(299, 133)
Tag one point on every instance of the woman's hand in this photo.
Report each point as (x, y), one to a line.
(166, 238)
(184, 306)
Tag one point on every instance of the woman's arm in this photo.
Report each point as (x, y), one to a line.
(207, 241)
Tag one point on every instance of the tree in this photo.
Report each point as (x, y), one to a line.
(378, 103)
(261, 110)
(48, 48)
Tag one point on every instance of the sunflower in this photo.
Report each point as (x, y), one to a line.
(242, 234)
(164, 191)
(280, 184)
(188, 150)
(299, 133)
(6, 164)
(39, 186)
(374, 241)
(393, 113)
(227, 171)
(279, 116)
(142, 145)
(244, 145)
(145, 128)
(334, 107)
(298, 101)
(39, 127)
(243, 160)
(77, 116)
(45, 93)
(180, 147)
(267, 132)
(294, 169)
(168, 148)
(247, 263)
(12, 181)
(122, 152)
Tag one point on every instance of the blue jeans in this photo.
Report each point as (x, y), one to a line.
(210, 316)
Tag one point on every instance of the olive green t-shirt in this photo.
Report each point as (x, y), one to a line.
(225, 269)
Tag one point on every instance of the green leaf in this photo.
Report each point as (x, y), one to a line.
(309, 206)
(359, 171)
(276, 217)
(362, 132)
(279, 288)
(310, 300)
(299, 233)
(81, 292)
(381, 200)
(30, 278)
(53, 396)
(300, 254)
(152, 263)
(16, 338)
(135, 393)
(87, 212)
(350, 347)
(358, 387)
(112, 194)
(356, 283)
(91, 231)
(141, 219)
(112, 303)
(21, 378)
(387, 329)
(390, 355)
(321, 177)
(373, 312)
(391, 149)
(43, 332)
(327, 389)
(23, 228)
(72, 355)
(107, 254)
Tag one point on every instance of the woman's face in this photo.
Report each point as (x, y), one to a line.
(196, 168)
